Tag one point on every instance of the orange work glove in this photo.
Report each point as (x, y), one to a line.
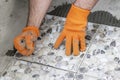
(24, 42)
(74, 31)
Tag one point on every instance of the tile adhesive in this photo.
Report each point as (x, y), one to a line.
(100, 17)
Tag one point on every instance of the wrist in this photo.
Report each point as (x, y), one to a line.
(32, 28)
(85, 4)
(33, 25)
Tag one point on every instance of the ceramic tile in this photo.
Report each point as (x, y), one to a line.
(46, 54)
(21, 70)
(84, 77)
(103, 58)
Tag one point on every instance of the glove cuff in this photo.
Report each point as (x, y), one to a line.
(32, 28)
(76, 19)
(75, 12)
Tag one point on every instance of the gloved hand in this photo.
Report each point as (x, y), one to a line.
(74, 31)
(24, 42)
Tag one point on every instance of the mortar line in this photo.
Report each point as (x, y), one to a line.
(88, 48)
(46, 65)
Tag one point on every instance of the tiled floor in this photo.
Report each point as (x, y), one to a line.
(99, 62)
(102, 59)
(22, 70)
(47, 55)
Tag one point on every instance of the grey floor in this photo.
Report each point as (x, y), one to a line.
(13, 16)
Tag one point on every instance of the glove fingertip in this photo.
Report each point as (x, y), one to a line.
(82, 49)
(76, 53)
(56, 46)
(68, 53)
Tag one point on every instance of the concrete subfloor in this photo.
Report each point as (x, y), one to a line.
(13, 17)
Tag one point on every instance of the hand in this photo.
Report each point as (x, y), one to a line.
(24, 42)
(74, 31)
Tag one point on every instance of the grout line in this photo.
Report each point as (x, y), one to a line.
(46, 65)
(91, 41)
(87, 50)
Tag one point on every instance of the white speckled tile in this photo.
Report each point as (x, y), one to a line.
(84, 77)
(45, 53)
(21, 70)
(103, 57)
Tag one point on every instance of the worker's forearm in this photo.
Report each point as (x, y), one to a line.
(37, 11)
(86, 4)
